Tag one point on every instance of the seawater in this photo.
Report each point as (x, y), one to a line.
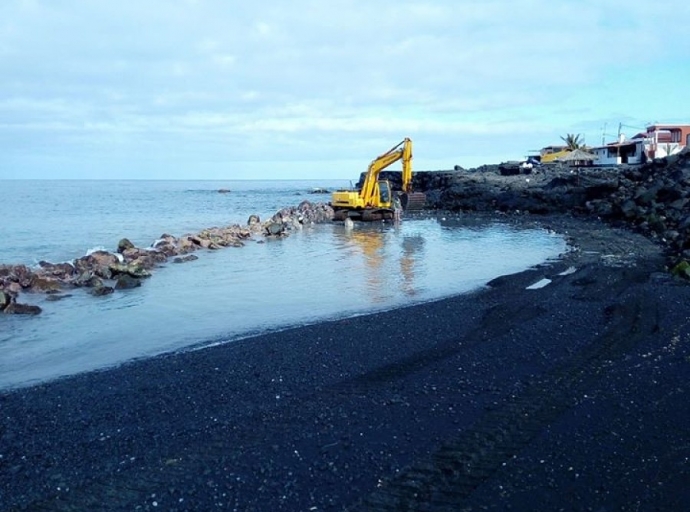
(319, 272)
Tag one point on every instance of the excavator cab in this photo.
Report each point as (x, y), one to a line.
(384, 192)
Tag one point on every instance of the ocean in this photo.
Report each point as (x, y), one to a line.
(318, 273)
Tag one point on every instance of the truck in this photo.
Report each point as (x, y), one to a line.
(376, 199)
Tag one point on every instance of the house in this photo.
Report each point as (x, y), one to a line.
(624, 151)
(658, 141)
(667, 140)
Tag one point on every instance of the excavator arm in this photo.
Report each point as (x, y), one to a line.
(369, 192)
(375, 200)
(407, 166)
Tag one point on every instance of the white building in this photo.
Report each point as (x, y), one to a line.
(658, 141)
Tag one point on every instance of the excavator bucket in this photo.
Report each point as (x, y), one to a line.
(413, 201)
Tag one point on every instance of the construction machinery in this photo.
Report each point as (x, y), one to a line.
(376, 199)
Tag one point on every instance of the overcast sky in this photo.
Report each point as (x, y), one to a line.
(289, 89)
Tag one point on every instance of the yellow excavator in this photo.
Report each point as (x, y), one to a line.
(376, 200)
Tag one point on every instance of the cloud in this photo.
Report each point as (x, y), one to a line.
(228, 80)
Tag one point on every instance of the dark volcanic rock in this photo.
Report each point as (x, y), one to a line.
(5, 300)
(98, 262)
(275, 228)
(653, 199)
(55, 297)
(15, 308)
(87, 279)
(572, 393)
(147, 259)
(185, 259)
(101, 289)
(124, 244)
(129, 264)
(45, 284)
(304, 213)
(130, 269)
(126, 282)
(20, 274)
(59, 270)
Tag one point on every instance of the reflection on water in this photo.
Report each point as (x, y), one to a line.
(412, 250)
(368, 255)
(321, 272)
(387, 257)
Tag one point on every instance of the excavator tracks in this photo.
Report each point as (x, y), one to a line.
(446, 480)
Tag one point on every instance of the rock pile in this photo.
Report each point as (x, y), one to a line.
(304, 213)
(103, 272)
(653, 198)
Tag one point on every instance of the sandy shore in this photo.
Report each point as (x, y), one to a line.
(572, 396)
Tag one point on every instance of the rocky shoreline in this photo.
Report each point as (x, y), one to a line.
(653, 199)
(506, 398)
(570, 395)
(103, 272)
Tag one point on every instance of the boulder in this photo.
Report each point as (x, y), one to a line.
(16, 308)
(132, 253)
(682, 269)
(45, 284)
(254, 224)
(146, 258)
(59, 270)
(130, 269)
(55, 297)
(126, 282)
(184, 259)
(87, 279)
(185, 244)
(20, 274)
(101, 290)
(244, 233)
(5, 300)
(165, 239)
(509, 168)
(273, 228)
(123, 245)
(102, 258)
(12, 288)
(149, 260)
(97, 262)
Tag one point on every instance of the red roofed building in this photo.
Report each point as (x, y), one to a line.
(659, 141)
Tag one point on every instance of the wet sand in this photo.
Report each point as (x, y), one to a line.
(572, 396)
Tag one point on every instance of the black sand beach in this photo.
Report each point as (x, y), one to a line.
(568, 397)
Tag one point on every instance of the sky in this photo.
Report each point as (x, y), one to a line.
(315, 89)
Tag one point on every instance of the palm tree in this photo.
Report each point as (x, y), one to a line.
(573, 141)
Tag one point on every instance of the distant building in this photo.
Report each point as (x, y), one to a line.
(578, 158)
(658, 141)
(551, 153)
